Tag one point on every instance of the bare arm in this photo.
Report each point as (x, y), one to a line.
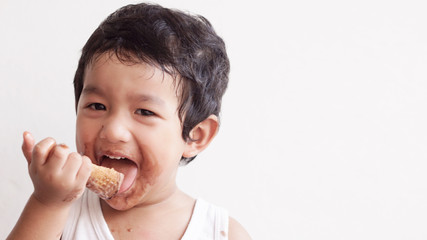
(39, 221)
(59, 178)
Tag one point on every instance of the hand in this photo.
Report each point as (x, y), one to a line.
(59, 176)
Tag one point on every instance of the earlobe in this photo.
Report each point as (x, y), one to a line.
(201, 135)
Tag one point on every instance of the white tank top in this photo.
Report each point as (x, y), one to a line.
(86, 221)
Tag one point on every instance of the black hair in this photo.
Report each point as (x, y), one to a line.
(181, 44)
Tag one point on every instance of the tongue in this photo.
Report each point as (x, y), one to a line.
(125, 166)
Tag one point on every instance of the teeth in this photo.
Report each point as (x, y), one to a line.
(116, 158)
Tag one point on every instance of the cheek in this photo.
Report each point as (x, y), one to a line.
(165, 146)
(84, 135)
(81, 143)
(161, 154)
(79, 137)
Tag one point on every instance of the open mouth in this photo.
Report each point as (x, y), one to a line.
(123, 165)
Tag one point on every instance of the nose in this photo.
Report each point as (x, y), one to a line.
(115, 129)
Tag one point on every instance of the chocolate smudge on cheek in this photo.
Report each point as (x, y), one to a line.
(150, 172)
(85, 152)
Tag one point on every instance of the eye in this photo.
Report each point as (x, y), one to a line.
(97, 106)
(144, 112)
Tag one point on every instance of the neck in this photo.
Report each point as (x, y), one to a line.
(172, 212)
(173, 198)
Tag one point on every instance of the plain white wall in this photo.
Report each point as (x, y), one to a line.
(323, 126)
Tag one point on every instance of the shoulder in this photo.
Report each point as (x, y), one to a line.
(236, 231)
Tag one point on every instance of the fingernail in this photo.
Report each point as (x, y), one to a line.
(63, 145)
(27, 135)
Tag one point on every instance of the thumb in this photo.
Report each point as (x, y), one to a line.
(28, 145)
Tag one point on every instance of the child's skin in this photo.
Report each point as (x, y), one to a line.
(59, 177)
(125, 110)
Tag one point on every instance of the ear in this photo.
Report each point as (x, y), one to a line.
(202, 134)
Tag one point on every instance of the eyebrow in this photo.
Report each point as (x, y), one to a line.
(137, 97)
(148, 98)
(92, 90)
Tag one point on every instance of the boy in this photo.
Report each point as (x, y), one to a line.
(148, 91)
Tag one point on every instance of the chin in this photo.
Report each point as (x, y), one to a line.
(133, 197)
(119, 204)
(123, 203)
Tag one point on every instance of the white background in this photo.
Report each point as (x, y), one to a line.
(323, 130)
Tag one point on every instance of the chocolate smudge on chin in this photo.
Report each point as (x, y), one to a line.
(149, 171)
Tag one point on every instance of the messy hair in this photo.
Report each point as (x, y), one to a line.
(180, 44)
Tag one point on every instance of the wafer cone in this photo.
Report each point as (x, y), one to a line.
(104, 181)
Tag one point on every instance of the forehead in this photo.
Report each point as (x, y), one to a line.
(129, 59)
(108, 73)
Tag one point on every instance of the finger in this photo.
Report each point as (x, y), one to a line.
(58, 157)
(85, 170)
(72, 165)
(41, 151)
(28, 145)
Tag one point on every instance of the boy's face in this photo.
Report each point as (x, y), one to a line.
(127, 119)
